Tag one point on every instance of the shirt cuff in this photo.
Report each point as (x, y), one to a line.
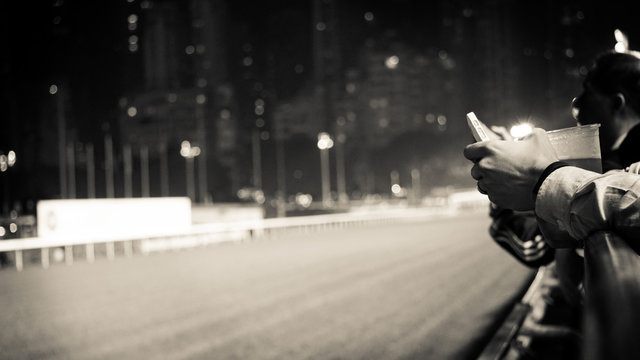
(553, 199)
(551, 168)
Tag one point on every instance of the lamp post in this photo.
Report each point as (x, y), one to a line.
(62, 139)
(256, 156)
(91, 172)
(164, 168)
(189, 152)
(109, 166)
(324, 144)
(71, 170)
(416, 185)
(127, 159)
(144, 171)
(343, 198)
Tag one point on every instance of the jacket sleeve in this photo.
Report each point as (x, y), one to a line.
(572, 203)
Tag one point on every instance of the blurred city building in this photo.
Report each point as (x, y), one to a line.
(186, 96)
(215, 98)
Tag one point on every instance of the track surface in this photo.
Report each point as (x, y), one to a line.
(403, 291)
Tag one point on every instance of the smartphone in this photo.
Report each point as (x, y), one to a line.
(479, 130)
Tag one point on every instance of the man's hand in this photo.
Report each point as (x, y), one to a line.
(507, 171)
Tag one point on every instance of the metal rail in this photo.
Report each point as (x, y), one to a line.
(612, 298)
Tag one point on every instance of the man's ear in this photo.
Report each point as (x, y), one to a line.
(619, 101)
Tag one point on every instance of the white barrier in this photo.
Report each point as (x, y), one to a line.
(75, 218)
(468, 200)
(203, 234)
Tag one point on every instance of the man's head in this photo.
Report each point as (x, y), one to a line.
(611, 96)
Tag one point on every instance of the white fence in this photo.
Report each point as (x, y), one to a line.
(204, 234)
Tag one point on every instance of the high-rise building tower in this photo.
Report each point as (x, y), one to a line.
(184, 110)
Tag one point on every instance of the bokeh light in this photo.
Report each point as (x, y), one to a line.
(392, 62)
(521, 130)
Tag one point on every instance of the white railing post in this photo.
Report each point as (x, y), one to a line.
(111, 253)
(44, 257)
(68, 254)
(19, 260)
(90, 252)
(128, 248)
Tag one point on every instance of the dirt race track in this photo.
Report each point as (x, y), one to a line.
(426, 290)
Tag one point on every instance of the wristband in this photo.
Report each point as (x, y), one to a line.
(551, 168)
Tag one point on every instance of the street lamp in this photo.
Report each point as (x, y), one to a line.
(6, 162)
(324, 144)
(189, 152)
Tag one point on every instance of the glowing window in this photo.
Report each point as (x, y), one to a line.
(569, 53)
(351, 88)
(430, 118)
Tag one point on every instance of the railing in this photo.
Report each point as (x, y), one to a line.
(611, 312)
(612, 299)
(204, 234)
